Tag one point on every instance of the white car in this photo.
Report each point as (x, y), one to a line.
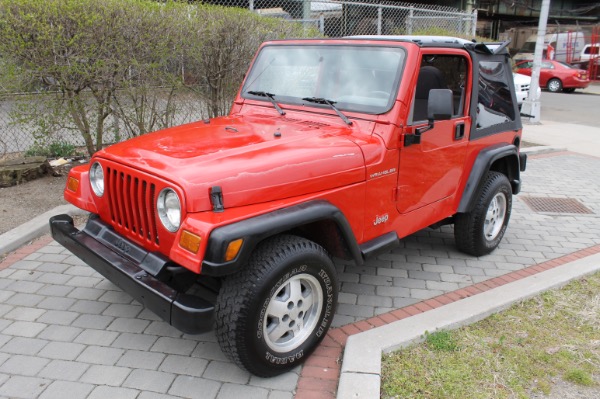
(522, 83)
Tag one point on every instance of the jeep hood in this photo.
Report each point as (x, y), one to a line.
(252, 159)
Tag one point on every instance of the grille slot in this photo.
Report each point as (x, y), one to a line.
(131, 204)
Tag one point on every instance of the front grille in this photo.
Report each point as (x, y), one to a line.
(524, 87)
(131, 202)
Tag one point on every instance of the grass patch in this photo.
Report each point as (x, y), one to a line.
(579, 376)
(441, 341)
(513, 354)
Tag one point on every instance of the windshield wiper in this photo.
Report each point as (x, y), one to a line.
(270, 96)
(318, 100)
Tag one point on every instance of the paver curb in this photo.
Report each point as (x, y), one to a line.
(34, 228)
(542, 149)
(361, 367)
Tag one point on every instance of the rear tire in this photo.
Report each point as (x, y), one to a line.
(555, 85)
(272, 315)
(480, 231)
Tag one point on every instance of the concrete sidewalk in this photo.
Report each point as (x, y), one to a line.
(63, 328)
(572, 137)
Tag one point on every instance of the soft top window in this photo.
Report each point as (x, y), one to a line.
(495, 105)
(355, 78)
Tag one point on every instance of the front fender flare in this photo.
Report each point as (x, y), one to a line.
(256, 229)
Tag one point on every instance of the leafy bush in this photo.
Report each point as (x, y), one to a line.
(230, 37)
(53, 150)
(102, 58)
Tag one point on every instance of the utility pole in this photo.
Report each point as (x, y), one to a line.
(532, 105)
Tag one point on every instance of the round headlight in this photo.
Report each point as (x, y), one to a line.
(97, 179)
(169, 209)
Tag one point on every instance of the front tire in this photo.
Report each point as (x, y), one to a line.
(272, 315)
(555, 85)
(480, 231)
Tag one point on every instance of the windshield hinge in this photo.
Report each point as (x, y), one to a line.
(216, 199)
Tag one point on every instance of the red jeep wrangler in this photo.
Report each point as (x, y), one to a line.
(333, 148)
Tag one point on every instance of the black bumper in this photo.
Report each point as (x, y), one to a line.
(101, 248)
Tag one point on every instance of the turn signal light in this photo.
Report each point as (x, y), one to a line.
(233, 249)
(72, 184)
(190, 241)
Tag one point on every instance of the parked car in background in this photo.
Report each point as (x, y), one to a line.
(522, 85)
(556, 75)
(590, 60)
(589, 52)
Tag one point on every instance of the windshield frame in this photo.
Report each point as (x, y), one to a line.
(349, 107)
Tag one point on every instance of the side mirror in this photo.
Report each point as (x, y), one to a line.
(440, 105)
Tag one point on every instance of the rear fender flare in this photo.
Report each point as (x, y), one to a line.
(502, 158)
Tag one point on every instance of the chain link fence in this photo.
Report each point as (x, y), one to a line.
(348, 18)
(325, 17)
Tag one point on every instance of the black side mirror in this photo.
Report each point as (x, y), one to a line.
(440, 105)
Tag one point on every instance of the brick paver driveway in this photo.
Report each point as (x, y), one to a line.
(65, 332)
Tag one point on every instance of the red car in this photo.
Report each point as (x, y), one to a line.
(556, 76)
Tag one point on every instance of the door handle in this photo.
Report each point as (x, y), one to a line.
(459, 131)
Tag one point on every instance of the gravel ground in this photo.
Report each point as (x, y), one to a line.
(21, 203)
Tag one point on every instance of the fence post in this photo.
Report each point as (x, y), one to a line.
(474, 23)
(409, 23)
(322, 24)
(306, 10)
(251, 5)
(379, 18)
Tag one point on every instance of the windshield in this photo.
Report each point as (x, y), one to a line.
(354, 78)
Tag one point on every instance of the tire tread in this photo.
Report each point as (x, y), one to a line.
(466, 225)
(233, 309)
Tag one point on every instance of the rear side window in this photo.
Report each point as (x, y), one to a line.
(494, 104)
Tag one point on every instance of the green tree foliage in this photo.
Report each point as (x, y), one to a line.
(229, 39)
(131, 59)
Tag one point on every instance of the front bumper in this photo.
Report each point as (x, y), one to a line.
(135, 273)
(576, 84)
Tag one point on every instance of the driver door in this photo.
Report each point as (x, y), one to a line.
(430, 171)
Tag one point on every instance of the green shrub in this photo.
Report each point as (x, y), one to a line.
(57, 149)
(230, 38)
(102, 58)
